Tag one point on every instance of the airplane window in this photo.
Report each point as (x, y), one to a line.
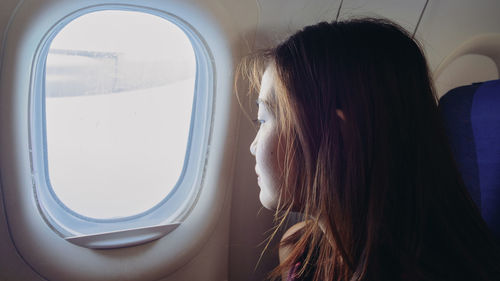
(120, 119)
(118, 97)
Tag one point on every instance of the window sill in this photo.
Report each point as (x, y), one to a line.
(122, 238)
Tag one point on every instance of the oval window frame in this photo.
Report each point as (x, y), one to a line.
(173, 209)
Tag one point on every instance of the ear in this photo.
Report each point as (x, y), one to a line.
(340, 113)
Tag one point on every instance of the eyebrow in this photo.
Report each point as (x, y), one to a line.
(265, 102)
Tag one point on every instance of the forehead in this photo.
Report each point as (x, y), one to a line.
(266, 86)
(266, 93)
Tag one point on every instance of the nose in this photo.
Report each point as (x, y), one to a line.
(253, 146)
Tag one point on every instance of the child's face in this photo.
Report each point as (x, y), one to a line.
(265, 145)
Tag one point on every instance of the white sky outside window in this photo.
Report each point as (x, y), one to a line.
(118, 96)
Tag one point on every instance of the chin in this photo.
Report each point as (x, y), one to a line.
(267, 201)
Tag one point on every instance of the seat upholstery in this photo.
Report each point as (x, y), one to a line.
(471, 116)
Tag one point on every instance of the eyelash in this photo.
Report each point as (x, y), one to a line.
(258, 122)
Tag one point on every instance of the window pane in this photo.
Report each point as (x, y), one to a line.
(119, 90)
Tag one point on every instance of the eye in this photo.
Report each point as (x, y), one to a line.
(258, 122)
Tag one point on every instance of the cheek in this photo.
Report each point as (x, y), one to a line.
(267, 156)
(270, 176)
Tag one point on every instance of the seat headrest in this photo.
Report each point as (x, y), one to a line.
(471, 116)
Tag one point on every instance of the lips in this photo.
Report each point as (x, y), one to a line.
(257, 173)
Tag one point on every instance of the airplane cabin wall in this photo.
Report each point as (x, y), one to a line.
(449, 23)
(9, 257)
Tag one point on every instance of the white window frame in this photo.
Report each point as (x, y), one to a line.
(172, 210)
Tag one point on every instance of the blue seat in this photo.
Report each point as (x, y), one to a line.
(471, 116)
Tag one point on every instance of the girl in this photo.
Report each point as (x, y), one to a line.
(350, 137)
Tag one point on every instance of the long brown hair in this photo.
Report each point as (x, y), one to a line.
(382, 178)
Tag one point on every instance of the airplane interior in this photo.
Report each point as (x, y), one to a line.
(124, 139)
